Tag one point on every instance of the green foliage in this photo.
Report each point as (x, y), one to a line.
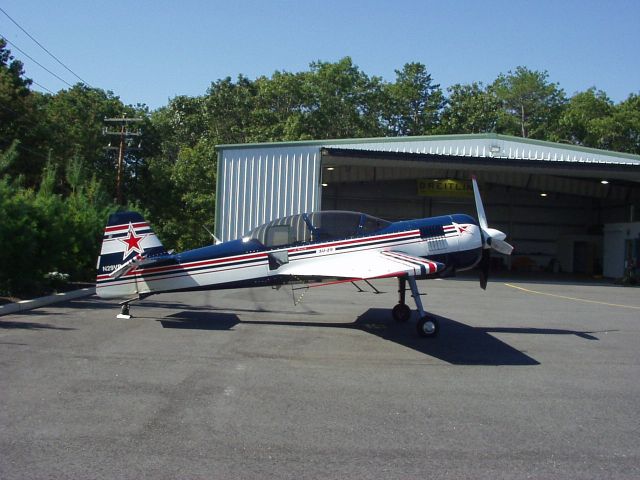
(43, 231)
(470, 109)
(620, 131)
(281, 107)
(228, 108)
(194, 175)
(8, 158)
(339, 103)
(581, 116)
(19, 113)
(529, 105)
(414, 103)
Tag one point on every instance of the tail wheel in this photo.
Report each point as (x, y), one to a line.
(401, 312)
(428, 326)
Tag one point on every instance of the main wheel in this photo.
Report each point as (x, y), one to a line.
(428, 326)
(401, 312)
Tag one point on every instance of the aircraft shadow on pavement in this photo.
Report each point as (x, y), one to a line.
(197, 320)
(461, 344)
(30, 326)
(208, 308)
(458, 343)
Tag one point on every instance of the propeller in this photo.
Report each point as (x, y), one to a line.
(491, 238)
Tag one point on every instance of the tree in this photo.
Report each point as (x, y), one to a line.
(530, 105)
(181, 122)
(577, 123)
(339, 98)
(469, 109)
(228, 109)
(620, 131)
(14, 91)
(282, 102)
(43, 231)
(185, 202)
(414, 102)
(20, 118)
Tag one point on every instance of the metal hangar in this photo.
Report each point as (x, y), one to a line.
(565, 208)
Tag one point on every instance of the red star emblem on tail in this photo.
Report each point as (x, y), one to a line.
(132, 242)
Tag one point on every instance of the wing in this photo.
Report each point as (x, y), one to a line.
(362, 266)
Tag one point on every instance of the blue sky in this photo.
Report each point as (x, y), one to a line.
(150, 51)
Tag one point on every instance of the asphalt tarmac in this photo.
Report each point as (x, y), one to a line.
(526, 380)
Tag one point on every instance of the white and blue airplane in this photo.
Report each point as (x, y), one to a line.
(316, 249)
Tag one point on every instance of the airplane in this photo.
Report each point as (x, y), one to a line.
(314, 249)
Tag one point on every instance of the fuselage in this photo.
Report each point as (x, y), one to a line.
(258, 260)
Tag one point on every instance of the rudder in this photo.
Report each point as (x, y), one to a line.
(126, 236)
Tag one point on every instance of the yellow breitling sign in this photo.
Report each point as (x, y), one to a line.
(430, 187)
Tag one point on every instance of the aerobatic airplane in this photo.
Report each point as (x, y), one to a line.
(316, 249)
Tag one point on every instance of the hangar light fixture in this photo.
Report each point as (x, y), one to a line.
(543, 194)
(325, 184)
(330, 168)
(604, 182)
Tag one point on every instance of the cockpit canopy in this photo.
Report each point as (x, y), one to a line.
(316, 227)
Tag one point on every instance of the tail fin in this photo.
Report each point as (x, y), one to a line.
(127, 238)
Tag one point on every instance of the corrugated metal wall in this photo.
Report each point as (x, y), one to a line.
(256, 185)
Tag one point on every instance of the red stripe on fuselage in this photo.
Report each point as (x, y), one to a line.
(202, 263)
(389, 236)
(182, 266)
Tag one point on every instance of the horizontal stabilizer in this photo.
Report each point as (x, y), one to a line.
(126, 268)
(142, 262)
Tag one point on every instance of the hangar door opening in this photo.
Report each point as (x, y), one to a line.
(555, 223)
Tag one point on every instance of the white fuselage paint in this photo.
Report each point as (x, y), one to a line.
(217, 272)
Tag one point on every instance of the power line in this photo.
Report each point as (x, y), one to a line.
(34, 82)
(34, 60)
(43, 47)
(42, 86)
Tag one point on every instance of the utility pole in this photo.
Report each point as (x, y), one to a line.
(125, 133)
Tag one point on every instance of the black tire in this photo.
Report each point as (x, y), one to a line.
(428, 326)
(401, 312)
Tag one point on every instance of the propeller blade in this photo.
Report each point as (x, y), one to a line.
(491, 238)
(483, 268)
(494, 234)
(501, 246)
(482, 218)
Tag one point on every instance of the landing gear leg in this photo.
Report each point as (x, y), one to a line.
(428, 326)
(124, 306)
(124, 311)
(401, 312)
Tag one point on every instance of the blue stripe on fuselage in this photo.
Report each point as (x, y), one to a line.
(241, 247)
(226, 249)
(427, 222)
